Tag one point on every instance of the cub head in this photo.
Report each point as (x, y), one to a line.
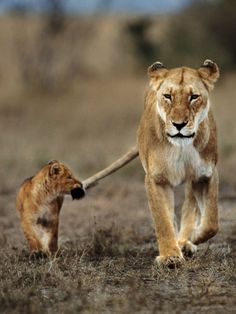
(62, 180)
(182, 98)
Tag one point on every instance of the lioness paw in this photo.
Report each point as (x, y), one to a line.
(169, 261)
(203, 233)
(189, 249)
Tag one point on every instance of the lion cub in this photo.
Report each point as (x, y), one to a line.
(39, 201)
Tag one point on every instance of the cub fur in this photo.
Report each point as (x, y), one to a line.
(39, 201)
(177, 143)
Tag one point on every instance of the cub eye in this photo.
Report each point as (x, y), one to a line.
(194, 96)
(69, 177)
(167, 96)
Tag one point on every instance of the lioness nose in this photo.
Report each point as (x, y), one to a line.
(179, 126)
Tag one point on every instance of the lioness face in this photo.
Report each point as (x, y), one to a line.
(62, 180)
(182, 100)
(182, 103)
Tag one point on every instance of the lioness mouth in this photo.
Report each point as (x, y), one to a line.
(180, 135)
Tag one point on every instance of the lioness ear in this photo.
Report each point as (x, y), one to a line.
(157, 69)
(54, 168)
(209, 73)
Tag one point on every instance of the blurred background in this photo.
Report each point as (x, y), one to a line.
(73, 78)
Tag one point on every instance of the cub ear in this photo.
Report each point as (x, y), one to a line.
(157, 69)
(209, 73)
(54, 168)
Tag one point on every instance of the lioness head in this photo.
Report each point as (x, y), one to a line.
(61, 180)
(182, 98)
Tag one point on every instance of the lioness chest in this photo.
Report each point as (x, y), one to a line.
(184, 164)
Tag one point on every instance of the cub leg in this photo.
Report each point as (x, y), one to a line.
(160, 204)
(189, 217)
(48, 232)
(32, 239)
(206, 193)
(53, 246)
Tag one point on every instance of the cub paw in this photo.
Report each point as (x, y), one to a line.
(169, 261)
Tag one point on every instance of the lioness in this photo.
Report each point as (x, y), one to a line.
(177, 143)
(39, 201)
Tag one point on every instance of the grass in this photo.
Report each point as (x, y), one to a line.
(105, 263)
(105, 275)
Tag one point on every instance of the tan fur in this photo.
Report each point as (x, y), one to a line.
(39, 201)
(169, 161)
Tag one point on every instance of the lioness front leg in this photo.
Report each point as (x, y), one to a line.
(189, 218)
(159, 198)
(206, 192)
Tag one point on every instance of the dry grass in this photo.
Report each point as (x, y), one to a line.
(106, 262)
(107, 240)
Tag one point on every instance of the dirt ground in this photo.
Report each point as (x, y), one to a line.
(107, 239)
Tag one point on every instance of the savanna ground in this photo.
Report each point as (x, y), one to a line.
(107, 239)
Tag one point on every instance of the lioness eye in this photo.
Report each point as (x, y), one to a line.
(167, 96)
(193, 97)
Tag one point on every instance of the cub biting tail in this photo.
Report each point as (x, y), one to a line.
(39, 201)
